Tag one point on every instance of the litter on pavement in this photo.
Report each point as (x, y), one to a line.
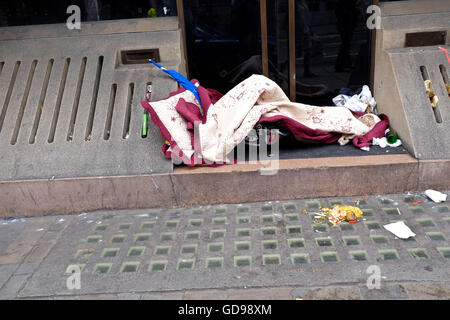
(382, 142)
(400, 229)
(436, 196)
(431, 95)
(337, 214)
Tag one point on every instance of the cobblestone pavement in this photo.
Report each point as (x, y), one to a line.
(268, 250)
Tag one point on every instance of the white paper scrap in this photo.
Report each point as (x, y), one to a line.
(436, 196)
(382, 142)
(400, 229)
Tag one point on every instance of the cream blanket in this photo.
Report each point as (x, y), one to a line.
(230, 119)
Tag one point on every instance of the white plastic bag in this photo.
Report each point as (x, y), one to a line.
(359, 102)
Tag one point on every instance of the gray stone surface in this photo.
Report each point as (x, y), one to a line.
(50, 235)
(90, 28)
(414, 7)
(128, 296)
(90, 240)
(333, 293)
(426, 291)
(6, 271)
(388, 292)
(83, 155)
(429, 139)
(26, 268)
(155, 296)
(299, 293)
(190, 235)
(11, 289)
(206, 295)
(9, 230)
(398, 83)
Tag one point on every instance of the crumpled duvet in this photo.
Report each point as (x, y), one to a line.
(208, 133)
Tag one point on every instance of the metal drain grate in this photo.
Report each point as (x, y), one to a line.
(74, 111)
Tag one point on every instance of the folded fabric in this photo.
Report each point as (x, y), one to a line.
(208, 133)
(377, 132)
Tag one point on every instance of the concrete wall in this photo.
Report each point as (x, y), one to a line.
(48, 82)
(422, 136)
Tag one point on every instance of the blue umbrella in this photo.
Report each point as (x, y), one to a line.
(181, 80)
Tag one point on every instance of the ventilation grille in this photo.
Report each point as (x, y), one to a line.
(71, 111)
(423, 116)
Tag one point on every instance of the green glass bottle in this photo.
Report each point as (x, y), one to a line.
(391, 136)
(145, 124)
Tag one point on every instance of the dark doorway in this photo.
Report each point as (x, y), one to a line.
(333, 44)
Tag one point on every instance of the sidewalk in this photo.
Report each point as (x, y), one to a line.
(398, 291)
(266, 250)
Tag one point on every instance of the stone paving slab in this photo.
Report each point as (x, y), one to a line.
(392, 291)
(6, 271)
(12, 286)
(250, 246)
(24, 242)
(9, 231)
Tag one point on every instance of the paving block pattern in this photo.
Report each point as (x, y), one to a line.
(253, 244)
